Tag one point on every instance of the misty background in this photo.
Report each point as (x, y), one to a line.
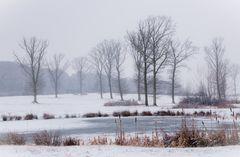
(74, 27)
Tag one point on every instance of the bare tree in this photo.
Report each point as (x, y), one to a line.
(218, 64)
(140, 42)
(56, 67)
(180, 52)
(161, 29)
(97, 62)
(109, 55)
(211, 90)
(120, 57)
(32, 62)
(235, 71)
(81, 67)
(138, 60)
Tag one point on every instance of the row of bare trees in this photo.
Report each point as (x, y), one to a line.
(154, 48)
(219, 73)
(152, 45)
(34, 59)
(108, 57)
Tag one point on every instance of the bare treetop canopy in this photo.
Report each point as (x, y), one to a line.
(32, 62)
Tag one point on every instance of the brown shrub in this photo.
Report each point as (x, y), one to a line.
(135, 113)
(192, 137)
(30, 117)
(116, 114)
(92, 115)
(17, 117)
(146, 113)
(72, 142)
(48, 116)
(100, 141)
(47, 139)
(125, 114)
(15, 139)
(165, 113)
(4, 118)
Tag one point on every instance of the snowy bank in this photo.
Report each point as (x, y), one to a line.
(116, 151)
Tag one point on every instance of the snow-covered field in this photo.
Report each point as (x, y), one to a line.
(116, 151)
(81, 104)
(72, 104)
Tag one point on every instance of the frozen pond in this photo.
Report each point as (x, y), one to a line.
(144, 125)
(107, 126)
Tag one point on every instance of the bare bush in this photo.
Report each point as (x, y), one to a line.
(47, 139)
(199, 102)
(193, 137)
(146, 113)
(92, 115)
(15, 139)
(30, 117)
(4, 118)
(100, 141)
(72, 142)
(48, 116)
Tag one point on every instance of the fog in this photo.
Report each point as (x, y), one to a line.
(74, 27)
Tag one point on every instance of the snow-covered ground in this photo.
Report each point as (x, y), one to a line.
(72, 104)
(116, 151)
(81, 104)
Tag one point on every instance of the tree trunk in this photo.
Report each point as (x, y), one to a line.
(101, 88)
(139, 85)
(145, 81)
(56, 89)
(110, 86)
(173, 83)
(235, 90)
(81, 90)
(154, 85)
(217, 81)
(35, 93)
(80, 83)
(119, 84)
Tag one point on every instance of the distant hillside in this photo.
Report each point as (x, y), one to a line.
(14, 82)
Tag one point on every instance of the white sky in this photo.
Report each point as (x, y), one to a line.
(73, 27)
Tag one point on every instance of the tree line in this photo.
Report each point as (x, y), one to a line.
(153, 46)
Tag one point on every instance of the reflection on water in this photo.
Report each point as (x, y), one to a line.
(144, 125)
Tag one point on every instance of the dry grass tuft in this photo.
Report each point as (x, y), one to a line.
(47, 139)
(70, 141)
(14, 139)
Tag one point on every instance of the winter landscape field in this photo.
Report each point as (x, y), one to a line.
(119, 78)
(80, 105)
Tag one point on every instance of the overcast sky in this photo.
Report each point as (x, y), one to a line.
(73, 27)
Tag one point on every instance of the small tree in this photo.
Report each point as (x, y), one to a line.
(56, 67)
(108, 49)
(120, 57)
(161, 29)
(140, 42)
(234, 73)
(218, 65)
(81, 67)
(97, 62)
(137, 57)
(32, 62)
(179, 53)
